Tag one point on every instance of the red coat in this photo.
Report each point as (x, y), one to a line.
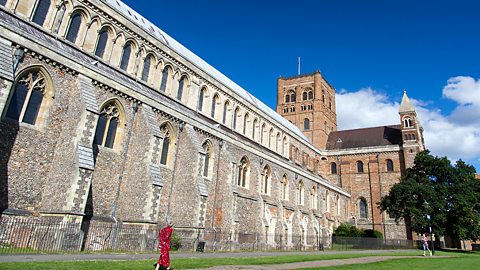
(164, 245)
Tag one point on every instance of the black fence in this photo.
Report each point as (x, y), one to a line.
(35, 236)
(348, 243)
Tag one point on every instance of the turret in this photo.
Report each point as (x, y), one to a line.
(412, 131)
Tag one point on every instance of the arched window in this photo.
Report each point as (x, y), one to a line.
(41, 12)
(284, 188)
(270, 134)
(362, 206)
(108, 123)
(127, 51)
(407, 122)
(27, 97)
(181, 87)
(165, 75)
(310, 95)
(146, 67)
(266, 177)
(236, 114)
(207, 158)
(304, 95)
(226, 108)
(254, 128)
(290, 96)
(167, 142)
(245, 121)
(389, 165)
(262, 131)
(214, 105)
(359, 166)
(101, 43)
(74, 27)
(306, 124)
(333, 168)
(203, 91)
(243, 172)
(313, 198)
(300, 193)
(278, 142)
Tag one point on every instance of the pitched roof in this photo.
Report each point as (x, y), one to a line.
(365, 137)
(406, 105)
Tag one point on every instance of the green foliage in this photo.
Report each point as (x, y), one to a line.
(448, 194)
(372, 234)
(347, 230)
(175, 242)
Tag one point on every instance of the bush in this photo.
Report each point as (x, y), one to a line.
(175, 242)
(347, 230)
(372, 234)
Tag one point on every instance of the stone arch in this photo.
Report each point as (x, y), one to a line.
(266, 180)
(362, 207)
(167, 78)
(74, 32)
(202, 98)
(112, 114)
(226, 115)
(168, 144)
(243, 175)
(127, 62)
(100, 40)
(147, 66)
(207, 158)
(31, 96)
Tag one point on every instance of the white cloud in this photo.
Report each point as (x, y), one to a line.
(365, 108)
(456, 135)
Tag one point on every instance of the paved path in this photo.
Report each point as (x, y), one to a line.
(317, 264)
(154, 256)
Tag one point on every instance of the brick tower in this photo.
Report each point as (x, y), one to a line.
(412, 131)
(308, 101)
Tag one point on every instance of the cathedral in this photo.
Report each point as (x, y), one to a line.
(106, 119)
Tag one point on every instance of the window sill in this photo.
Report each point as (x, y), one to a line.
(107, 149)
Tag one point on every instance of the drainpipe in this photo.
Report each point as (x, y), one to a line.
(124, 159)
(339, 161)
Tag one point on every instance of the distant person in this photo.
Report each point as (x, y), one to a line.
(425, 244)
(164, 237)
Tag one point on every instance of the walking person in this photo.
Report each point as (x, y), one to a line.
(425, 245)
(164, 237)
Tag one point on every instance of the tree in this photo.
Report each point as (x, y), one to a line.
(449, 195)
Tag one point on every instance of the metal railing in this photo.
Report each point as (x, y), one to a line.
(33, 236)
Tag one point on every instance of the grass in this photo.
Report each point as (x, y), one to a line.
(464, 262)
(456, 260)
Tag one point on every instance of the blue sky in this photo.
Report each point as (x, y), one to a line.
(370, 51)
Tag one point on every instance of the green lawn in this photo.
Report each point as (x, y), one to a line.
(457, 261)
(465, 262)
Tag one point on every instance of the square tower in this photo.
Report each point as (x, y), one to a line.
(308, 101)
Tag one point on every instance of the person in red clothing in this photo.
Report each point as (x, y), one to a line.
(164, 237)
